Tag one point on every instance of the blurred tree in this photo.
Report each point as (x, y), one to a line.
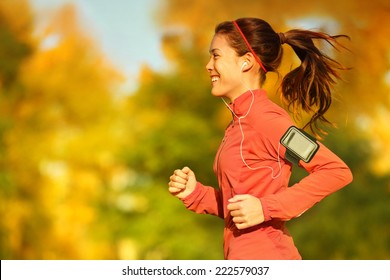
(60, 131)
(14, 49)
(84, 171)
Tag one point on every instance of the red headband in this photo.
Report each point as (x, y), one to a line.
(249, 47)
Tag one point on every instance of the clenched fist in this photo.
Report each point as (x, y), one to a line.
(182, 182)
(246, 211)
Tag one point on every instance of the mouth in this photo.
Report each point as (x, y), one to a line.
(214, 79)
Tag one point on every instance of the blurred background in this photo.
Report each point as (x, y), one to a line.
(101, 100)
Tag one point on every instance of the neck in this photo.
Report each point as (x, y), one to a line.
(241, 115)
(248, 82)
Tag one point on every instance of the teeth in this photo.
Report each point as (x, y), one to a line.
(214, 79)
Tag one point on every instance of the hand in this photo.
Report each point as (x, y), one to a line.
(182, 182)
(246, 211)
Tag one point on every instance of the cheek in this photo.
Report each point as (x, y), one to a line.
(223, 69)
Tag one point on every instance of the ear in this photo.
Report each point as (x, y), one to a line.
(248, 61)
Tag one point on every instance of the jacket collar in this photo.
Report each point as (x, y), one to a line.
(243, 103)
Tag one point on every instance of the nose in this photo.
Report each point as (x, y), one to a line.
(209, 65)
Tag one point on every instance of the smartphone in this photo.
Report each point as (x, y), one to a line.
(299, 144)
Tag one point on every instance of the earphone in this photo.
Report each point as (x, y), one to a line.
(243, 65)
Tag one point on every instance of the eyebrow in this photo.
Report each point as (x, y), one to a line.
(215, 49)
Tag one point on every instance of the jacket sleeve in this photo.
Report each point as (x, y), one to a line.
(204, 200)
(327, 174)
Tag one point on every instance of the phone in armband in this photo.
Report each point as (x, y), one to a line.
(299, 145)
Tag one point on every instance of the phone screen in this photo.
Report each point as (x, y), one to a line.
(301, 145)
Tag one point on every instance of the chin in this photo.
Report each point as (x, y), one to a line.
(217, 93)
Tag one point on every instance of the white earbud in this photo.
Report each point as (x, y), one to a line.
(243, 65)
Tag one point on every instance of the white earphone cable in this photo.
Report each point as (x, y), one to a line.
(273, 176)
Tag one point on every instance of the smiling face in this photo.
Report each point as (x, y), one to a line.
(224, 68)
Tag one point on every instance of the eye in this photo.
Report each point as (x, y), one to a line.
(215, 55)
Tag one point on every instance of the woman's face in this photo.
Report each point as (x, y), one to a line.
(224, 68)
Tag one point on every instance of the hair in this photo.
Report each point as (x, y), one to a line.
(309, 86)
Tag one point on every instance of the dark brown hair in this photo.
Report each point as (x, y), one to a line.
(308, 86)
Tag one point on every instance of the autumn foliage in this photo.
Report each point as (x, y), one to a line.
(84, 168)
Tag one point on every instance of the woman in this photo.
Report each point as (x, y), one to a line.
(252, 166)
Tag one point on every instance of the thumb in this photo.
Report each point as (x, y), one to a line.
(188, 171)
(238, 197)
(191, 178)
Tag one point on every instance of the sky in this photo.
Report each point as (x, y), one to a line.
(124, 29)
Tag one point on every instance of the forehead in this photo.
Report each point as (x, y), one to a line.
(219, 42)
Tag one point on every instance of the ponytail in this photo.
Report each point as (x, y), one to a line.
(308, 87)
